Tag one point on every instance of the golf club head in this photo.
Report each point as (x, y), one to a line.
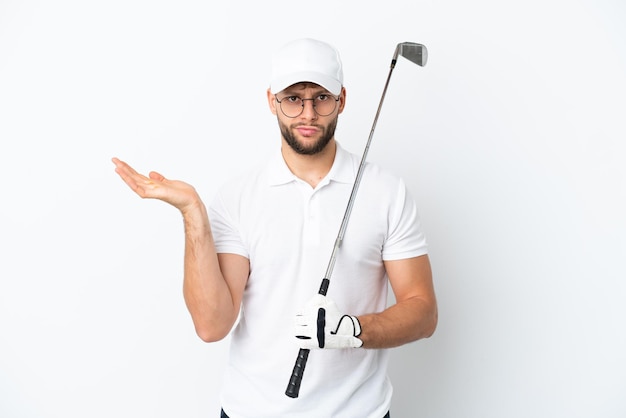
(416, 53)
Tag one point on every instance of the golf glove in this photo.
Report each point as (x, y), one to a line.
(320, 325)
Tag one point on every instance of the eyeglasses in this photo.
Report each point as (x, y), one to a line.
(293, 106)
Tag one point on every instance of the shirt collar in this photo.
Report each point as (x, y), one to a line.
(342, 171)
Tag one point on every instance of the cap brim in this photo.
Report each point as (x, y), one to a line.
(328, 83)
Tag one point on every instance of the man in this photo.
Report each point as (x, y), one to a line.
(256, 259)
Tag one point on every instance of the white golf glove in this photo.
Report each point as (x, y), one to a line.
(320, 325)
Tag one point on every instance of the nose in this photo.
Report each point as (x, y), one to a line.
(308, 110)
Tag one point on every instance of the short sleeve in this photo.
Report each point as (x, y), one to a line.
(405, 237)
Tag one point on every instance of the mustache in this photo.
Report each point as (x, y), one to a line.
(298, 124)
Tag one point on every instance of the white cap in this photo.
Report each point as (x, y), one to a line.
(305, 60)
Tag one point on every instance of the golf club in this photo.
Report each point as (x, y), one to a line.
(417, 54)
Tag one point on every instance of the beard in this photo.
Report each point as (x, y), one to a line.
(328, 132)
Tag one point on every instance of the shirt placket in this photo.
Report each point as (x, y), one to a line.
(311, 228)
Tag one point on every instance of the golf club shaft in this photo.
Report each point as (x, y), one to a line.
(293, 388)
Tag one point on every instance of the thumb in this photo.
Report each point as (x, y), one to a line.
(156, 176)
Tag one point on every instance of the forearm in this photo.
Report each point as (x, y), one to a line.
(211, 300)
(206, 292)
(402, 323)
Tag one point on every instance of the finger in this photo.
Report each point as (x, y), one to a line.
(139, 183)
(132, 179)
(122, 166)
(124, 170)
(304, 320)
(316, 301)
(308, 344)
(156, 176)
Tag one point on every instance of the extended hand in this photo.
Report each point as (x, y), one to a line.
(320, 325)
(177, 193)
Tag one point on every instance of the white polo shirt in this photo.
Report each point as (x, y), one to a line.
(287, 230)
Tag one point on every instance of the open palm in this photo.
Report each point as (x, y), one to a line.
(155, 186)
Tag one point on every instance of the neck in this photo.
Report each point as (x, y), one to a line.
(310, 168)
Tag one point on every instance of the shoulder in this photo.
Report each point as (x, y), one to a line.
(242, 182)
(384, 181)
(372, 170)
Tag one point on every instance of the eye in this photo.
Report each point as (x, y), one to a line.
(322, 98)
(292, 99)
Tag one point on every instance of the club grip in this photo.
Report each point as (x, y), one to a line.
(293, 389)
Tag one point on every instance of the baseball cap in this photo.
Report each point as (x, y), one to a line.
(304, 60)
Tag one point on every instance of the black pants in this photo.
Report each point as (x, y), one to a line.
(223, 415)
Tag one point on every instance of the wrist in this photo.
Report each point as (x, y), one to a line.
(195, 215)
(366, 323)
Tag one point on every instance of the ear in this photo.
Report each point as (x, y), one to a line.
(271, 101)
(342, 100)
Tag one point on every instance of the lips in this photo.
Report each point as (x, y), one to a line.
(307, 130)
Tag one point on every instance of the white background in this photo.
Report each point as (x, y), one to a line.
(511, 138)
